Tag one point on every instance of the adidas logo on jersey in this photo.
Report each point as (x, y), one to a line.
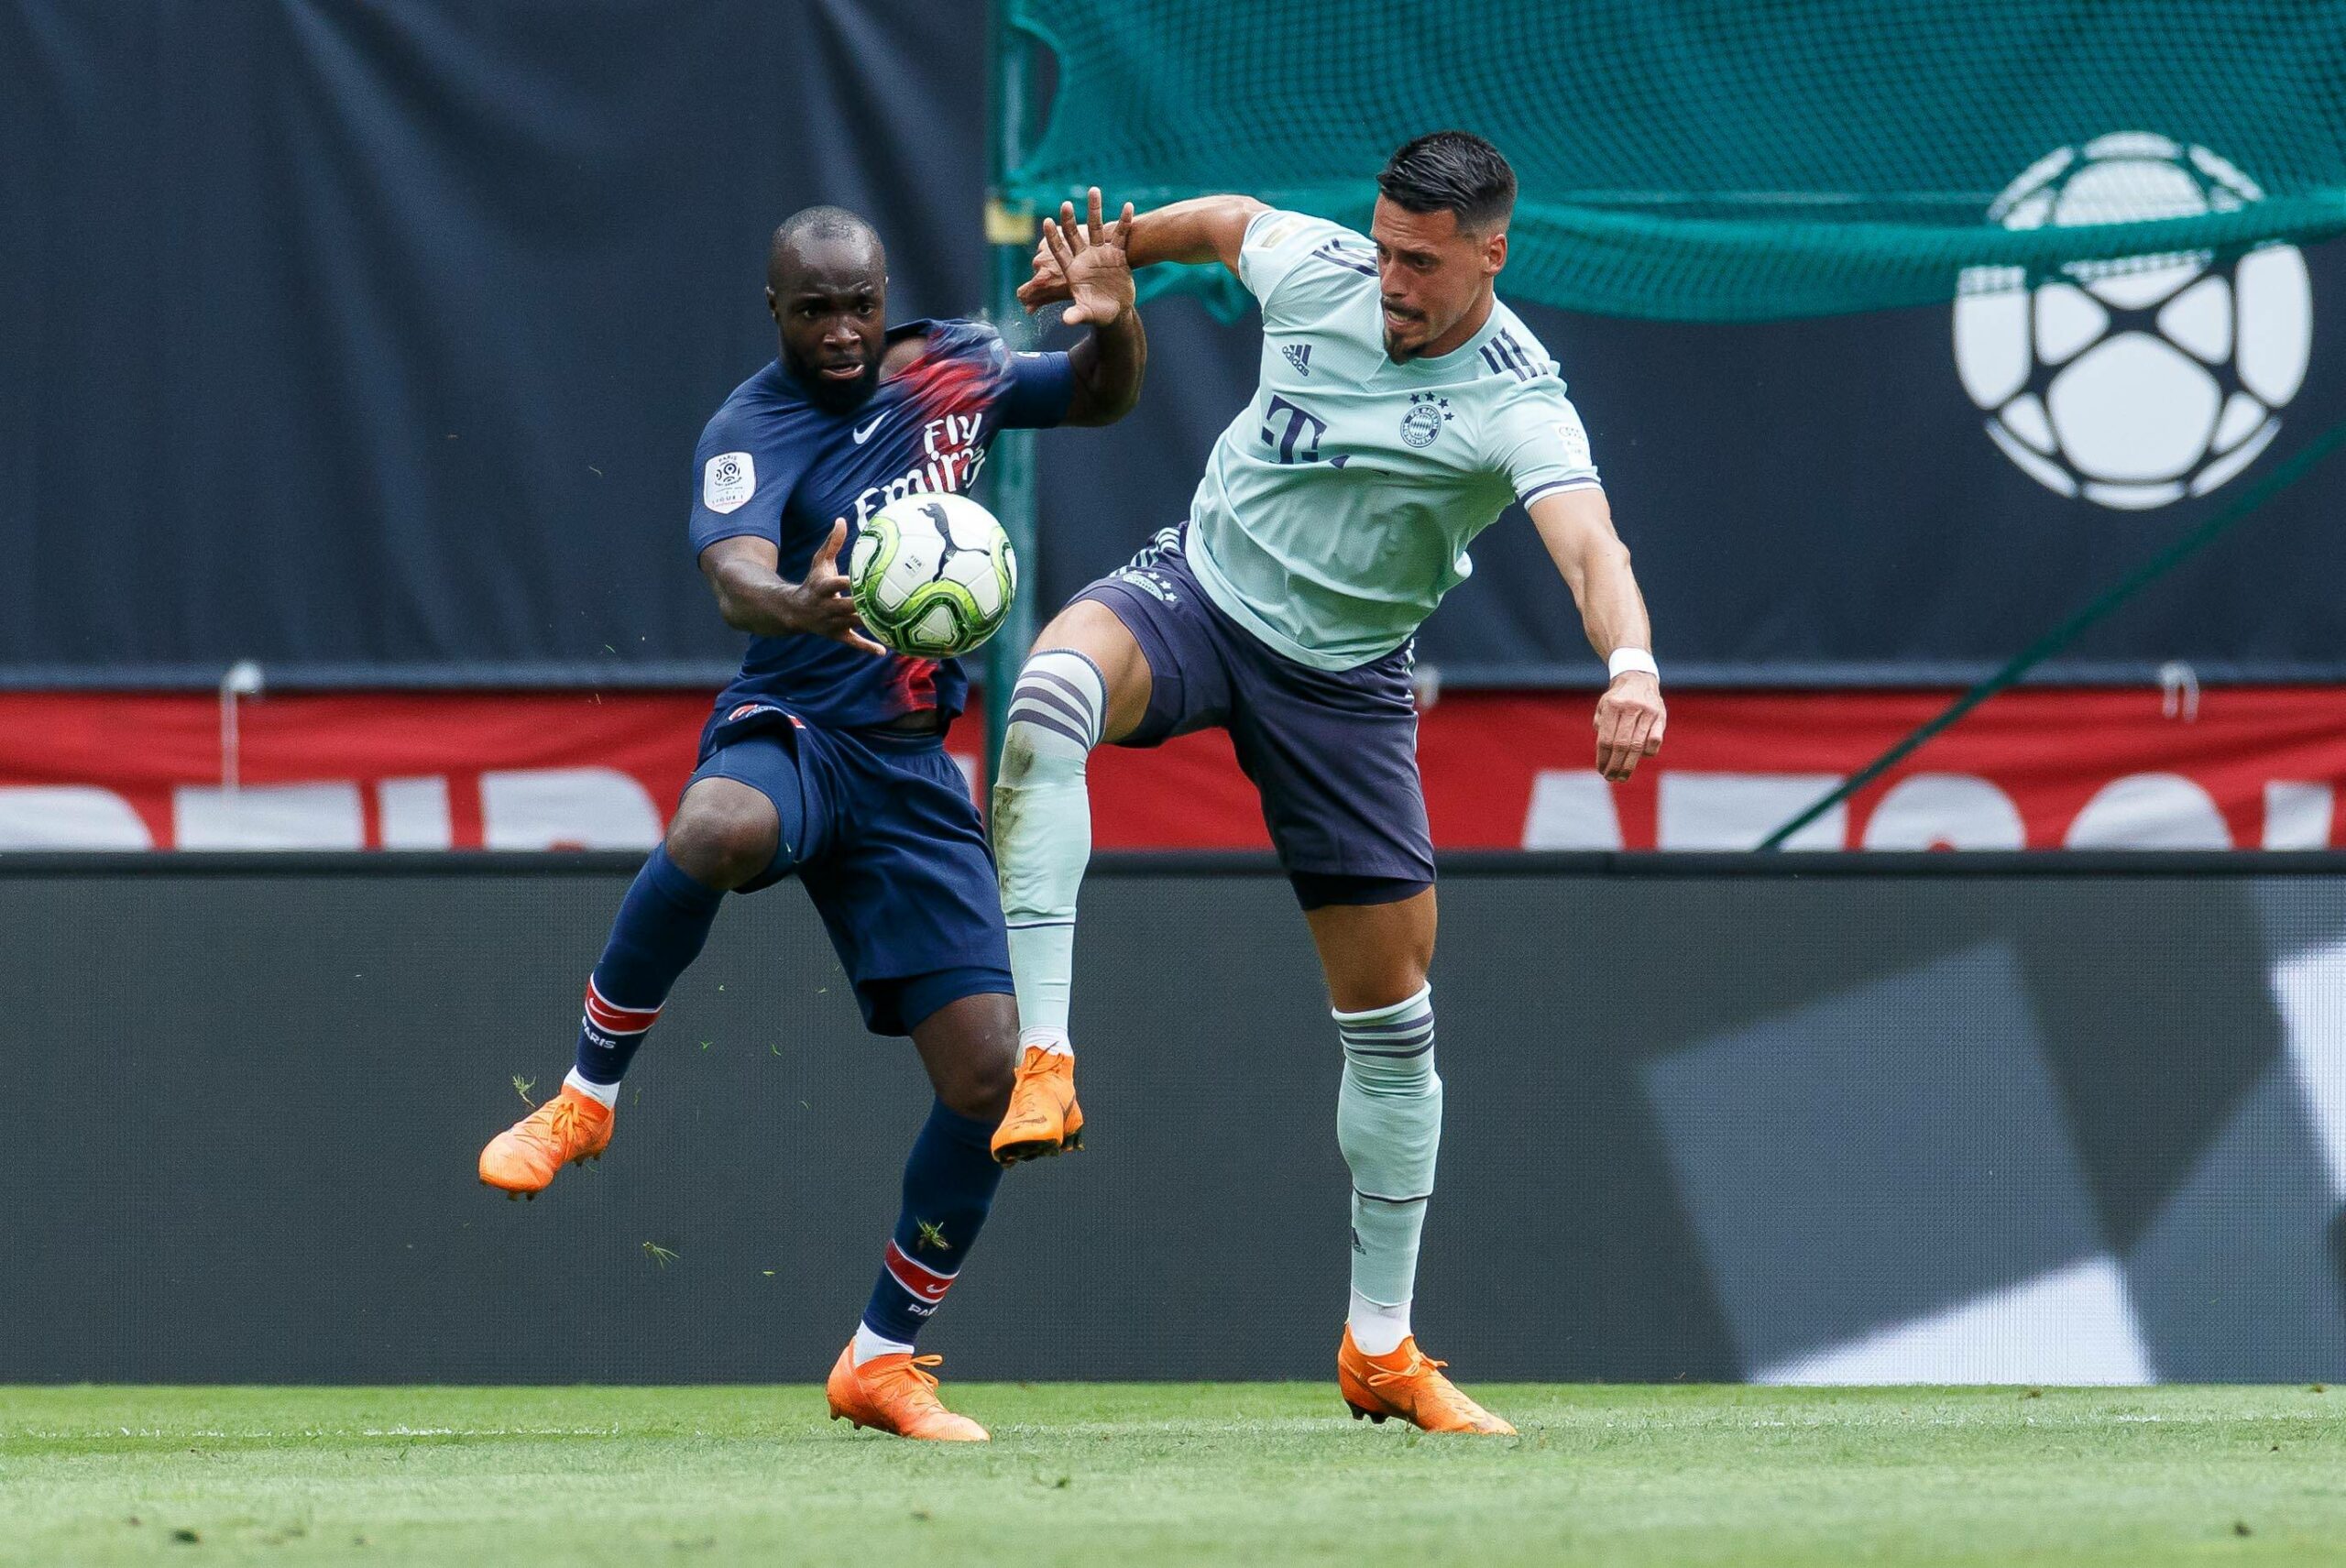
(1504, 355)
(1300, 355)
(1349, 257)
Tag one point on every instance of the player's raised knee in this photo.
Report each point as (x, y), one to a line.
(971, 1048)
(977, 1085)
(1090, 629)
(725, 833)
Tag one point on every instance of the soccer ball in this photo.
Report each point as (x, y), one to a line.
(2138, 381)
(932, 576)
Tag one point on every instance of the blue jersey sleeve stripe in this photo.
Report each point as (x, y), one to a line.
(1585, 482)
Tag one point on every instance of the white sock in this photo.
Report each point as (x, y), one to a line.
(1050, 1042)
(1041, 824)
(604, 1094)
(868, 1345)
(1376, 1327)
(1042, 961)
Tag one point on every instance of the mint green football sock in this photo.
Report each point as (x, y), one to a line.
(1041, 827)
(1388, 1123)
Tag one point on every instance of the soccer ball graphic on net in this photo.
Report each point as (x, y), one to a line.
(933, 576)
(2139, 381)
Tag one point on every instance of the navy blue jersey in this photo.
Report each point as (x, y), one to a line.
(776, 466)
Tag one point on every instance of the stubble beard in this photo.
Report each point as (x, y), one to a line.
(838, 397)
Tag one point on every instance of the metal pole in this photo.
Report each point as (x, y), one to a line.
(1010, 237)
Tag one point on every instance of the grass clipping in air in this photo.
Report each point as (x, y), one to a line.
(1245, 1473)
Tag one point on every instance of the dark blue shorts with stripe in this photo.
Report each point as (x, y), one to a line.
(880, 828)
(1333, 752)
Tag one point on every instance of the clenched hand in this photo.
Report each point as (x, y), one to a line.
(1629, 721)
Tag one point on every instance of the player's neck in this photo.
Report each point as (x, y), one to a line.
(1458, 336)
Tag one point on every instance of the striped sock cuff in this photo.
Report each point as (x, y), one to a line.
(610, 1018)
(1062, 692)
(1395, 1033)
(925, 1285)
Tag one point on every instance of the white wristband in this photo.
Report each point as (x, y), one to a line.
(1625, 659)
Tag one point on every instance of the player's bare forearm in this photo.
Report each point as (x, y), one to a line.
(749, 601)
(1109, 366)
(1612, 612)
(1202, 229)
(1577, 526)
(753, 596)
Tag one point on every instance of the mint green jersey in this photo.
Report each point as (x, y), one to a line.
(1336, 509)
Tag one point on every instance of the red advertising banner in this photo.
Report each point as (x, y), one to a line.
(2245, 768)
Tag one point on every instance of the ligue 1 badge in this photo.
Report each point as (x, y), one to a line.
(1428, 410)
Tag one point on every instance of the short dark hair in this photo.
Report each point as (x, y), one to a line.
(1451, 172)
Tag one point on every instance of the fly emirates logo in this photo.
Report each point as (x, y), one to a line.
(950, 460)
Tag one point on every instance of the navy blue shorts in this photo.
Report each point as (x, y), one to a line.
(881, 829)
(1332, 753)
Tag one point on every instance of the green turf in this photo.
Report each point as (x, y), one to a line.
(1108, 1474)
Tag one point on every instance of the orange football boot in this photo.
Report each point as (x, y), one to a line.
(569, 1129)
(891, 1393)
(1043, 1118)
(1410, 1385)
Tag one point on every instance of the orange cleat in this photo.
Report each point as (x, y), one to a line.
(891, 1393)
(569, 1129)
(1410, 1385)
(1043, 1118)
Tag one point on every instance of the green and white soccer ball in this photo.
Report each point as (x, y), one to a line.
(2140, 381)
(933, 576)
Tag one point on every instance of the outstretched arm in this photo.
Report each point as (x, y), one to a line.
(1577, 528)
(753, 596)
(1202, 229)
(1097, 279)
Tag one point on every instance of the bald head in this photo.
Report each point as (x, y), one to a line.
(827, 284)
(828, 236)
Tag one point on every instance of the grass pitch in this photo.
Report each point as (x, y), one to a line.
(1181, 1473)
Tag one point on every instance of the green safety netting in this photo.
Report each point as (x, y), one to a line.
(1733, 159)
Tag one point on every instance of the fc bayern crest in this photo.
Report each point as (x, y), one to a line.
(1428, 412)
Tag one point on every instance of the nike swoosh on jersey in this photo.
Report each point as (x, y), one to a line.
(863, 434)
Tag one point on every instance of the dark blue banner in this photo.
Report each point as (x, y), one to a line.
(370, 343)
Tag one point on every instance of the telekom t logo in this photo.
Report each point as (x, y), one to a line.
(1287, 437)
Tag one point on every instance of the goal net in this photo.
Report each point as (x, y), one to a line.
(1724, 159)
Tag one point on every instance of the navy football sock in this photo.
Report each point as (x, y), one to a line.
(948, 1187)
(661, 923)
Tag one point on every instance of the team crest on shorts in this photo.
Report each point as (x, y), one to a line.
(747, 708)
(1156, 584)
(1428, 412)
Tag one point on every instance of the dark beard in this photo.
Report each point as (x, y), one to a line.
(838, 397)
(1397, 352)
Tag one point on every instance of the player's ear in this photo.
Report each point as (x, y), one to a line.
(1495, 253)
(770, 311)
